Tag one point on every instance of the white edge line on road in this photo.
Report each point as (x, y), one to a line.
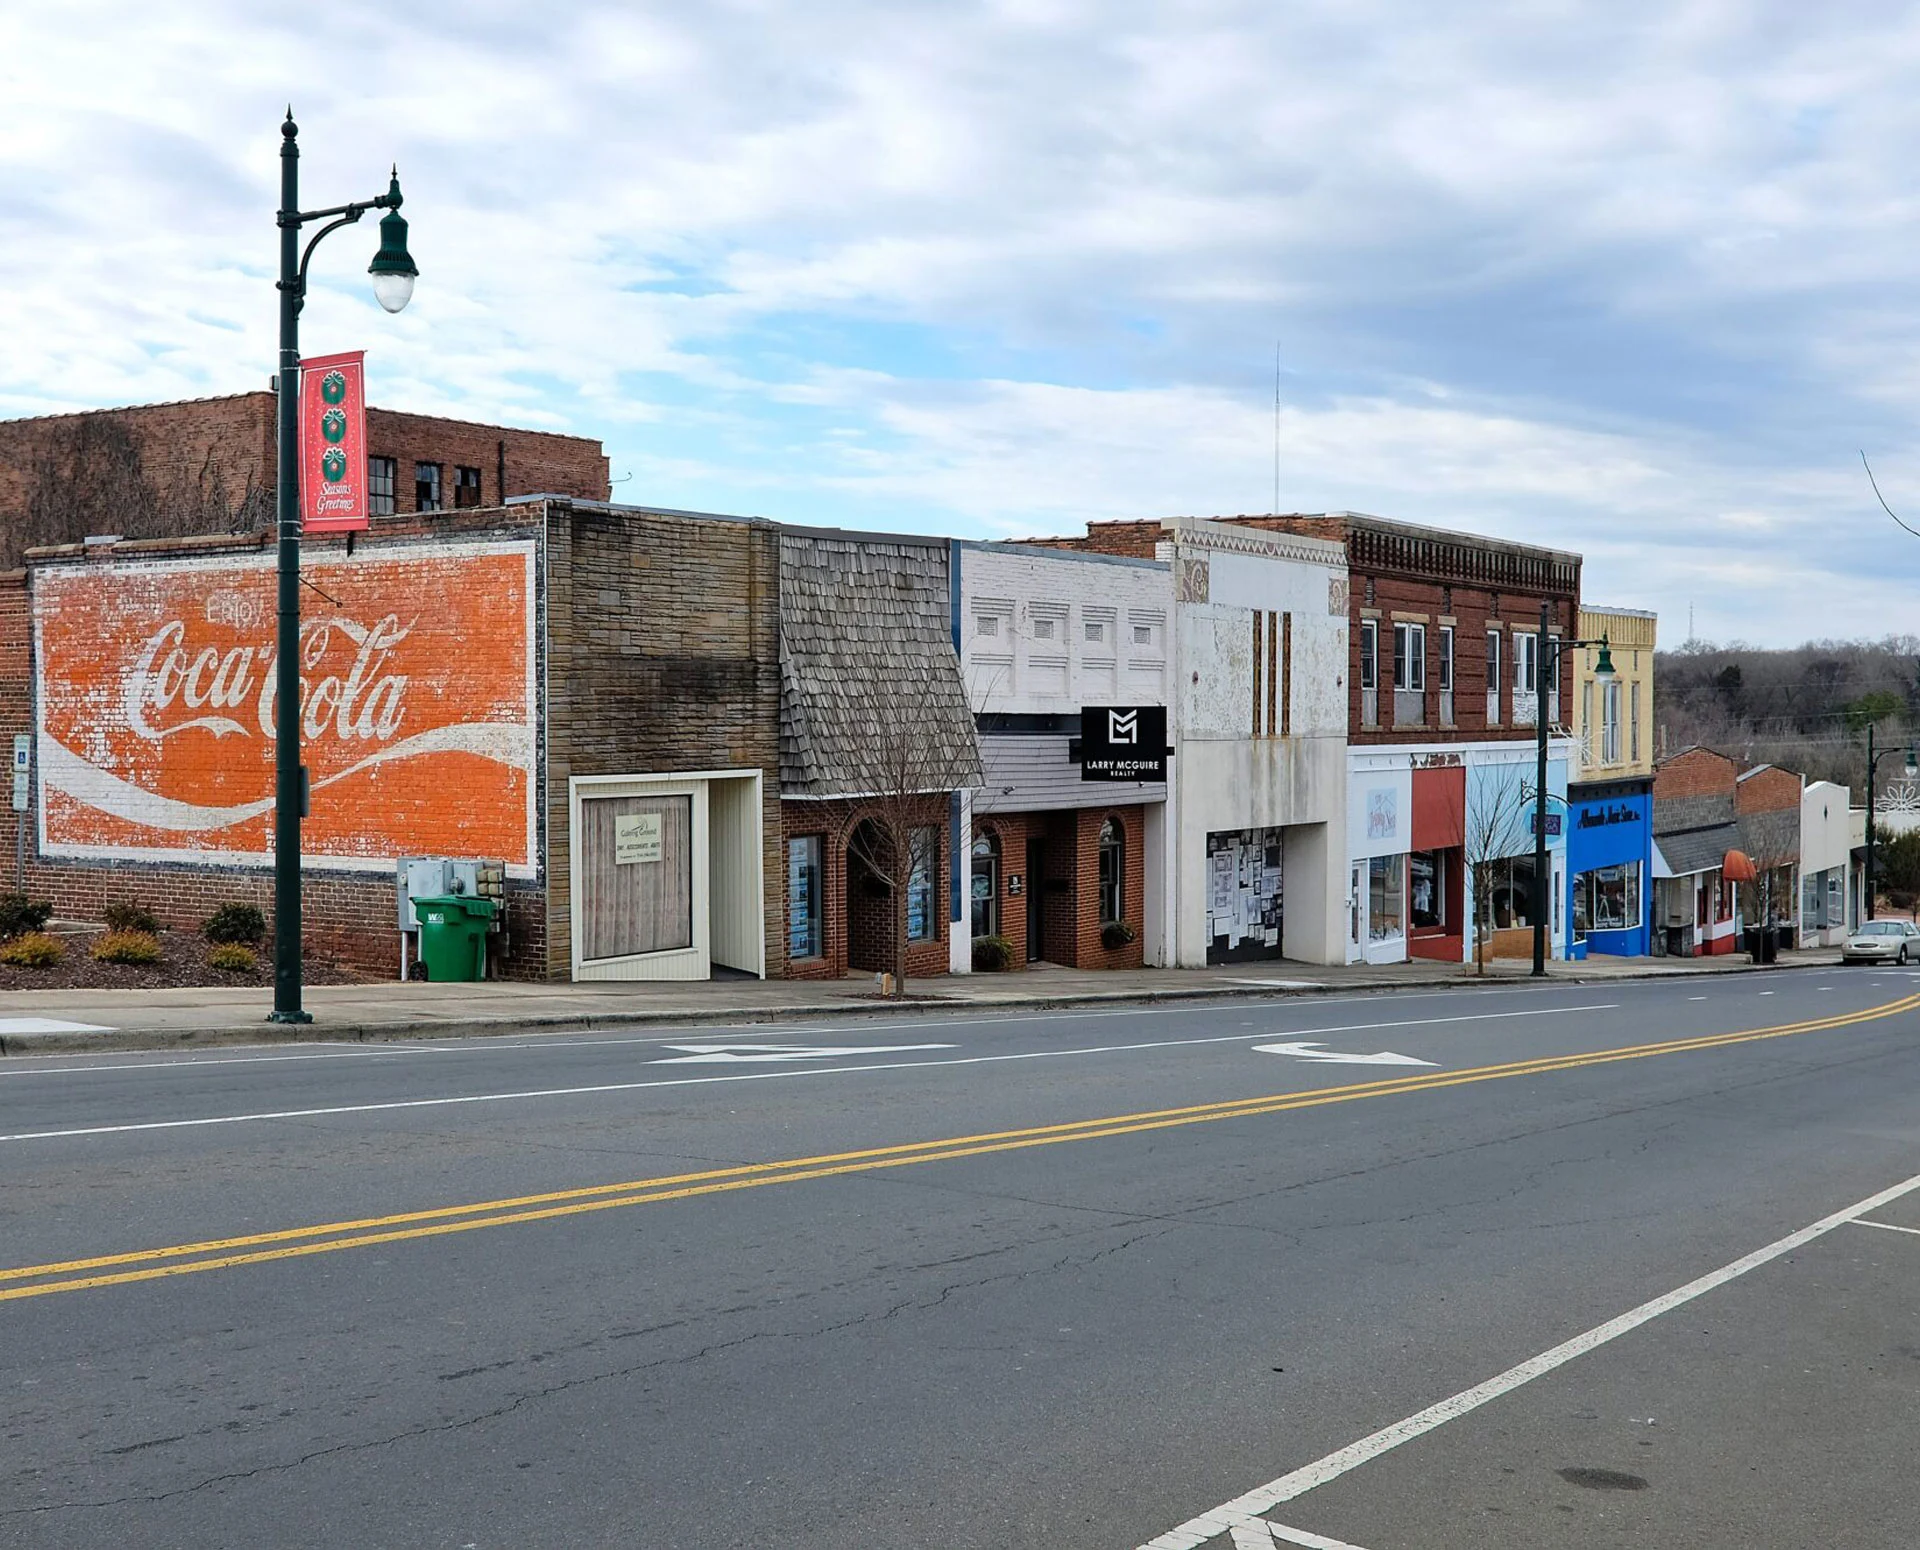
(1247, 1508)
(170, 1062)
(1886, 1226)
(752, 1076)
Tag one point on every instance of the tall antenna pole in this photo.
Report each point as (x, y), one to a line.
(1276, 427)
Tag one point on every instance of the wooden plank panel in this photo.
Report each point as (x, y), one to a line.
(638, 906)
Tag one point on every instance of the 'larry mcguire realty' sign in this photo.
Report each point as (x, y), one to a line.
(1123, 742)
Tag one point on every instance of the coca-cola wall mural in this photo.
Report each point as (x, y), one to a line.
(419, 712)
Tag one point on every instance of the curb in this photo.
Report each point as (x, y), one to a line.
(265, 1033)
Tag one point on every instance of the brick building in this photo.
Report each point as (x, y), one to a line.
(208, 465)
(877, 752)
(1443, 695)
(1698, 866)
(588, 694)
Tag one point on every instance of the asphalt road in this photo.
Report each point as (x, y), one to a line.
(1103, 1279)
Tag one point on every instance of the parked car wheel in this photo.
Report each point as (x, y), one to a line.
(1901, 957)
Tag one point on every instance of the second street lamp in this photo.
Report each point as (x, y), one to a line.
(393, 274)
(1873, 762)
(1548, 672)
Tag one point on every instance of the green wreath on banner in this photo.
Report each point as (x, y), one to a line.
(333, 387)
(333, 465)
(333, 425)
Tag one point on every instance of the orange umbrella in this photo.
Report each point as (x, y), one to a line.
(1737, 867)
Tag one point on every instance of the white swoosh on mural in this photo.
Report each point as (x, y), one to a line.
(63, 770)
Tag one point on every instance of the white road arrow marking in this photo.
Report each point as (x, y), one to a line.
(1262, 1535)
(716, 1054)
(1334, 1057)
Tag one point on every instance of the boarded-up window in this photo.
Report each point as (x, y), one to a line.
(636, 875)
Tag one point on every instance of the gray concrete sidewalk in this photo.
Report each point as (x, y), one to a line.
(45, 1021)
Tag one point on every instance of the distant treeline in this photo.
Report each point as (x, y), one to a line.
(1806, 708)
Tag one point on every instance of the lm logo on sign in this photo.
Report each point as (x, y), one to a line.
(1123, 726)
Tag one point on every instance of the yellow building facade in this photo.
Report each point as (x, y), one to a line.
(1613, 719)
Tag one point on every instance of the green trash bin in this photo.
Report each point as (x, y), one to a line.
(453, 936)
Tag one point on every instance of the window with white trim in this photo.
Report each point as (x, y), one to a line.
(1410, 657)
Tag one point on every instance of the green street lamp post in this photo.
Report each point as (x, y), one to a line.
(1551, 649)
(393, 274)
(1873, 761)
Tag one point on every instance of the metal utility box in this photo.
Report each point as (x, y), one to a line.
(432, 877)
(443, 877)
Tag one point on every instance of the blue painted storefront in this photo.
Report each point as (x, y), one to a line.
(1611, 826)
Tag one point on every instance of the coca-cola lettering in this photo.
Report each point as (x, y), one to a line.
(364, 703)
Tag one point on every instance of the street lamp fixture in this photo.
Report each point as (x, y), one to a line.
(393, 274)
(1551, 650)
(392, 268)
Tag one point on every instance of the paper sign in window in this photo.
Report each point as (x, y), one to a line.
(636, 838)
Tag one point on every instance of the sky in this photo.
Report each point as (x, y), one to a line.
(1633, 280)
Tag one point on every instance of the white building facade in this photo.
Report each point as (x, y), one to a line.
(1062, 869)
(1258, 782)
(1826, 857)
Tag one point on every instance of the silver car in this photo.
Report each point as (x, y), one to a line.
(1882, 941)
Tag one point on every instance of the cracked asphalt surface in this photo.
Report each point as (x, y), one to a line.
(1080, 1341)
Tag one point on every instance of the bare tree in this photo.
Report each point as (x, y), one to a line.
(1771, 841)
(1495, 828)
(90, 475)
(914, 757)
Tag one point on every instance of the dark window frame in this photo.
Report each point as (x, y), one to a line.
(429, 476)
(803, 947)
(383, 486)
(923, 882)
(1113, 872)
(984, 888)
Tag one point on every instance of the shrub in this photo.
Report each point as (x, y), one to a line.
(233, 958)
(19, 915)
(991, 954)
(33, 950)
(1118, 933)
(126, 947)
(235, 923)
(128, 916)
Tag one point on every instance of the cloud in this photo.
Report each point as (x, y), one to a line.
(1631, 279)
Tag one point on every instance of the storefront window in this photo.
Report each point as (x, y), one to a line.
(920, 883)
(1427, 889)
(1511, 894)
(986, 885)
(803, 896)
(1607, 899)
(1386, 897)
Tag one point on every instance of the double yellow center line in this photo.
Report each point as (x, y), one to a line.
(180, 1259)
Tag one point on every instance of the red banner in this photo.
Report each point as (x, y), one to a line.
(333, 443)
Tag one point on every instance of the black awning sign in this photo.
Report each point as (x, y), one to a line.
(1123, 742)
